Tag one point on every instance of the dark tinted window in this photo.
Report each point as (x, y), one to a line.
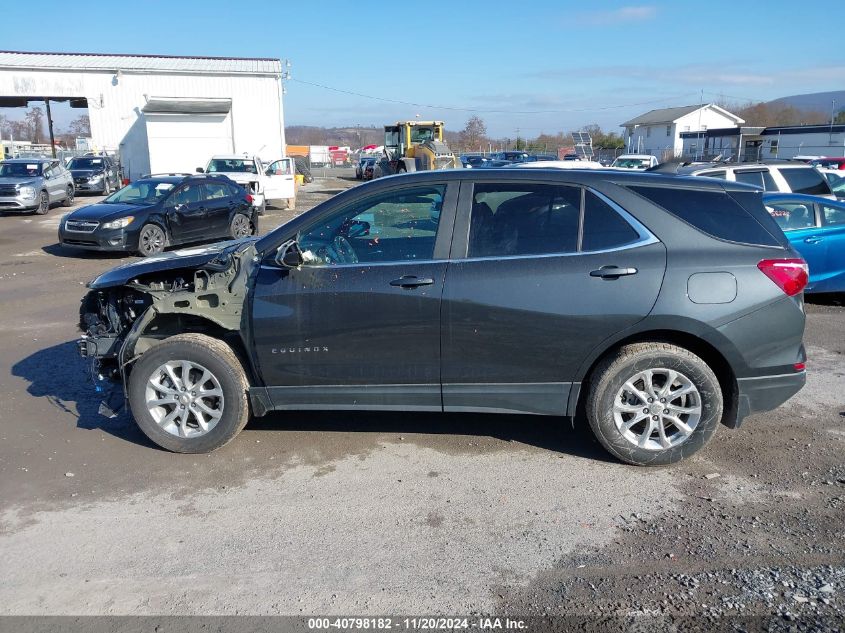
(750, 177)
(713, 212)
(769, 182)
(752, 202)
(235, 190)
(603, 227)
(524, 219)
(715, 174)
(805, 180)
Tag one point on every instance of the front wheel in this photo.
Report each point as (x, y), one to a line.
(69, 195)
(653, 403)
(43, 204)
(188, 394)
(151, 240)
(106, 187)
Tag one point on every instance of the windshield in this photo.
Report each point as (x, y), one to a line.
(236, 165)
(20, 169)
(141, 192)
(422, 134)
(631, 163)
(86, 163)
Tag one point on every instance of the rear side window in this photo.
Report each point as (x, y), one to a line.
(806, 180)
(603, 227)
(523, 219)
(715, 174)
(712, 212)
(214, 190)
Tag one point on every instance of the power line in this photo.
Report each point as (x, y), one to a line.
(484, 111)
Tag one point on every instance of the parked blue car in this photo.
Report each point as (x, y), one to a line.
(816, 229)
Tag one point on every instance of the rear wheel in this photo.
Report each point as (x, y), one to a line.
(189, 394)
(151, 240)
(240, 226)
(43, 203)
(653, 403)
(69, 195)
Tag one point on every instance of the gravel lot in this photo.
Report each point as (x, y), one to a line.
(338, 513)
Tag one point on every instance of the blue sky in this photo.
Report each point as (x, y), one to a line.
(540, 66)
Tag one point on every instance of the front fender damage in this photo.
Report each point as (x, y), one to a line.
(120, 323)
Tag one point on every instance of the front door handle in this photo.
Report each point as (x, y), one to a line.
(612, 272)
(409, 281)
(813, 239)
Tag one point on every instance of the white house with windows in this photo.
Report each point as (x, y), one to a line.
(658, 132)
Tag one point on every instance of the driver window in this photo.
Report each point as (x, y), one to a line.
(392, 227)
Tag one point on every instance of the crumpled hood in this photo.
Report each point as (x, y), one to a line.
(188, 258)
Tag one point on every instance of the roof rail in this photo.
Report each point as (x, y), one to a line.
(164, 174)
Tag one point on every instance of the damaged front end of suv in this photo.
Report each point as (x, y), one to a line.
(132, 308)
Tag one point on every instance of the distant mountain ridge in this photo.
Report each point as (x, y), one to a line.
(815, 102)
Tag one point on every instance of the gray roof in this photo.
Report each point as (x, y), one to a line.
(162, 63)
(663, 115)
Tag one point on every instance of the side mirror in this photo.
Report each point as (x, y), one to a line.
(289, 255)
(200, 170)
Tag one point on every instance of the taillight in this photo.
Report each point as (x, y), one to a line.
(249, 199)
(800, 366)
(790, 275)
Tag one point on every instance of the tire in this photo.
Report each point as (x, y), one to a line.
(151, 240)
(68, 201)
(168, 424)
(43, 204)
(611, 406)
(291, 204)
(106, 187)
(240, 226)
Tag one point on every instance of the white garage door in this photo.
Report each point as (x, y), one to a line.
(179, 143)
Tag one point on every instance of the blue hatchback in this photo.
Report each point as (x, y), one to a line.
(816, 229)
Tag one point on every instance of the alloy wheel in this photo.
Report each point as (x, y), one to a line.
(656, 409)
(151, 240)
(184, 398)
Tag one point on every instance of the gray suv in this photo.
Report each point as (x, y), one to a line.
(653, 308)
(33, 184)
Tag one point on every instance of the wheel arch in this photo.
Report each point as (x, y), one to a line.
(705, 349)
(161, 326)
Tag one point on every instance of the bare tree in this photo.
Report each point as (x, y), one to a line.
(80, 126)
(474, 134)
(35, 119)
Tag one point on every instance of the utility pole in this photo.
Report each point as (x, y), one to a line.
(50, 127)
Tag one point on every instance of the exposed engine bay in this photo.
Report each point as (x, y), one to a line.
(120, 321)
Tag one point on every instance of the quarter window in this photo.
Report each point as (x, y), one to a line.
(604, 228)
(392, 227)
(750, 177)
(524, 219)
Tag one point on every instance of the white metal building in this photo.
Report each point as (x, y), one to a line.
(756, 143)
(161, 113)
(658, 132)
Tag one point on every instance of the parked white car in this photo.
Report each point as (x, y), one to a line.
(263, 182)
(634, 161)
(784, 176)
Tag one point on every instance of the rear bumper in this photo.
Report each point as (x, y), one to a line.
(764, 393)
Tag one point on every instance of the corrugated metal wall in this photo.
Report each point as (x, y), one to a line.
(115, 100)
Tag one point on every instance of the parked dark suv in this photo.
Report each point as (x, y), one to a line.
(654, 307)
(154, 212)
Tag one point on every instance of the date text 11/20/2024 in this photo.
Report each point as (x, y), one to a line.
(417, 623)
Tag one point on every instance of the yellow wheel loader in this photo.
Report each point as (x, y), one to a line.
(416, 146)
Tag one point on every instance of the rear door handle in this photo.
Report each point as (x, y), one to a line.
(612, 272)
(409, 281)
(813, 239)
